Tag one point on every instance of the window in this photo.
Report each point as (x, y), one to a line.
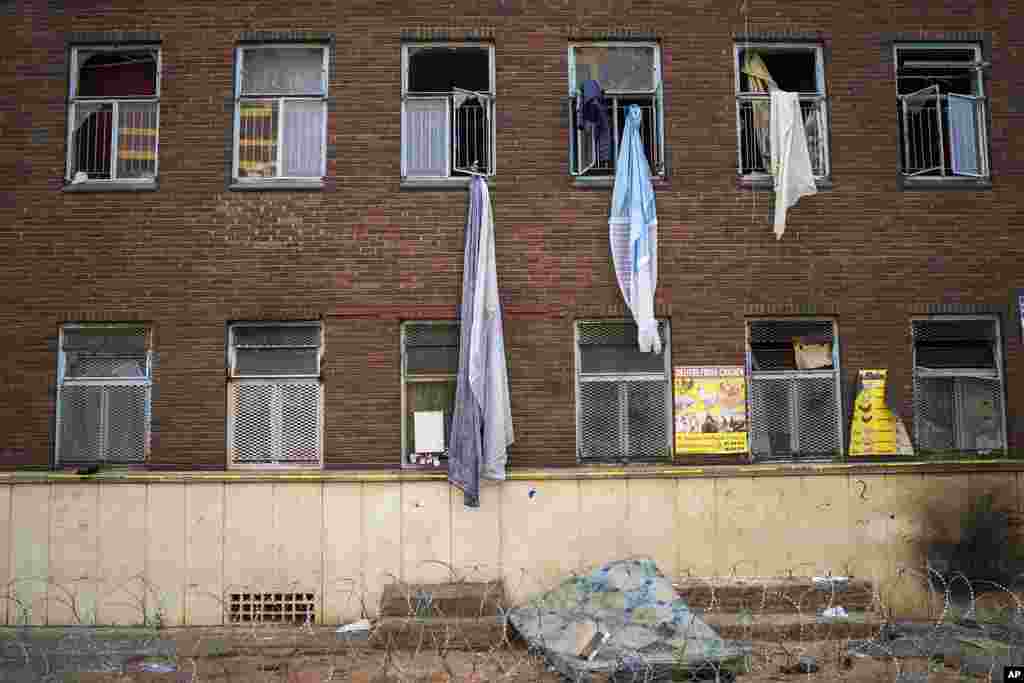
(430, 365)
(623, 396)
(447, 110)
(280, 113)
(795, 398)
(761, 68)
(114, 114)
(958, 384)
(626, 74)
(104, 382)
(275, 396)
(941, 111)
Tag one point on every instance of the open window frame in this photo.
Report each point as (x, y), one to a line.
(126, 143)
(438, 112)
(753, 115)
(943, 136)
(276, 106)
(584, 162)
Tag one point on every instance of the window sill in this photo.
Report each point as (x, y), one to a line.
(111, 186)
(459, 183)
(272, 185)
(608, 182)
(942, 184)
(765, 183)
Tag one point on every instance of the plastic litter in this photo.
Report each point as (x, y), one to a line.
(834, 613)
(357, 630)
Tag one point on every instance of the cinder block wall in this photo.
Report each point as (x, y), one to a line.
(366, 255)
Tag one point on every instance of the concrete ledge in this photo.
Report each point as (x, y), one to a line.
(588, 472)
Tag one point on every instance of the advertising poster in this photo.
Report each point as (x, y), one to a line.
(710, 409)
(875, 430)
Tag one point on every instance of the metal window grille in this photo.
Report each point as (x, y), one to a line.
(753, 120)
(794, 414)
(275, 395)
(281, 112)
(114, 114)
(753, 107)
(257, 607)
(623, 396)
(958, 385)
(583, 143)
(430, 366)
(448, 132)
(942, 110)
(104, 389)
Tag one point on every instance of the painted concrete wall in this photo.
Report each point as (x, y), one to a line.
(107, 552)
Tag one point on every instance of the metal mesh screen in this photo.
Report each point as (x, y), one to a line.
(783, 331)
(283, 361)
(968, 343)
(611, 347)
(770, 417)
(794, 416)
(817, 417)
(103, 423)
(127, 339)
(958, 413)
(431, 334)
(283, 335)
(623, 420)
(276, 422)
(81, 364)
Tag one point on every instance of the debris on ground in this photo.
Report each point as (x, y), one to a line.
(650, 628)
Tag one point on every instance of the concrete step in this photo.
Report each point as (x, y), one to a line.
(776, 627)
(445, 600)
(427, 634)
(774, 595)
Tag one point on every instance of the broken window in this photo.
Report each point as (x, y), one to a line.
(958, 384)
(761, 68)
(281, 112)
(623, 396)
(430, 366)
(604, 80)
(795, 404)
(447, 110)
(942, 111)
(104, 384)
(113, 114)
(275, 395)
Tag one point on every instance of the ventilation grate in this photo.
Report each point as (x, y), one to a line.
(282, 608)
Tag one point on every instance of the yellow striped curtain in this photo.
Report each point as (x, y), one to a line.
(257, 139)
(137, 135)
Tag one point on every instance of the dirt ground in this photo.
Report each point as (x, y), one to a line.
(220, 655)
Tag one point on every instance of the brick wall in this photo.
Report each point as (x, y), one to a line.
(365, 254)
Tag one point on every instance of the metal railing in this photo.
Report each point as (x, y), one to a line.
(114, 140)
(586, 156)
(471, 136)
(753, 119)
(936, 141)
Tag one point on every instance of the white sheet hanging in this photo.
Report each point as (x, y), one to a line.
(791, 160)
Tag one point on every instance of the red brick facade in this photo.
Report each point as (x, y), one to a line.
(365, 254)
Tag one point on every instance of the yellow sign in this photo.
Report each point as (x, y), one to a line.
(710, 410)
(875, 430)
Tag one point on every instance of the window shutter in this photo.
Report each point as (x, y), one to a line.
(425, 137)
(963, 134)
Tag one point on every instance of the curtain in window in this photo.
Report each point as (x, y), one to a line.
(137, 131)
(257, 139)
(425, 137)
(963, 135)
(303, 138)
